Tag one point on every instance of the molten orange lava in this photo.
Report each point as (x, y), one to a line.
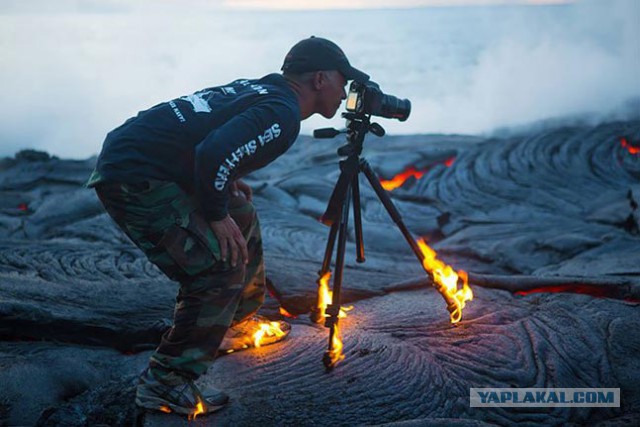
(399, 179)
(630, 148)
(285, 313)
(266, 329)
(591, 290)
(446, 281)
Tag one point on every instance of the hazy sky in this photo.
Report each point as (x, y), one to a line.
(72, 70)
(369, 4)
(106, 6)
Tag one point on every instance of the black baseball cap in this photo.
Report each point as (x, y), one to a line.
(318, 54)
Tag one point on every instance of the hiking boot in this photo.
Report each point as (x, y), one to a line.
(184, 399)
(257, 331)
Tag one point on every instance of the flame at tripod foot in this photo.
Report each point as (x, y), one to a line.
(325, 298)
(446, 280)
(335, 355)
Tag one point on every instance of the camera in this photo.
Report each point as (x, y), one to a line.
(367, 98)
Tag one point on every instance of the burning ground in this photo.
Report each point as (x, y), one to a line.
(546, 224)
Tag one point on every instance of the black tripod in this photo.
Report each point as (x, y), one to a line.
(336, 216)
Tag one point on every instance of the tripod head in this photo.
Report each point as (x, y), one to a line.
(358, 125)
(366, 99)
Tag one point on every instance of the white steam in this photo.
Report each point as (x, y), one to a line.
(557, 71)
(587, 62)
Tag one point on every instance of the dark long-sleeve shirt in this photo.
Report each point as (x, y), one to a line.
(205, 140)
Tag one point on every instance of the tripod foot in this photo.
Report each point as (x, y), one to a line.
(327, 362)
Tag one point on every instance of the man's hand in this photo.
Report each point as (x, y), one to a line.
(230, 237)
(239, 185)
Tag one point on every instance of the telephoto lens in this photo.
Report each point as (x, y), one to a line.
(391, 107)
(367, 98)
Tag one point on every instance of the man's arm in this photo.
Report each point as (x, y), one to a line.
(227, 230)
(245, 143)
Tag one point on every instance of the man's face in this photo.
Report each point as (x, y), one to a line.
(331, 93)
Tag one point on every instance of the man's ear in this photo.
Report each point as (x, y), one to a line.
(319, 80)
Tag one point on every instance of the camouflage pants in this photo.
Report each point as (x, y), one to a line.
(167, 225)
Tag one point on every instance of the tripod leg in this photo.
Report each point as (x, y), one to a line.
(357, 219)
(390, 207)
(453, 305)
(316, 314)
(333, 354)
(348, 167)
(328, 252)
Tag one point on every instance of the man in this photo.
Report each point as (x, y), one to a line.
(169, 177)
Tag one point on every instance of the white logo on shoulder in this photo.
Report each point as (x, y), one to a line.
(200, 105)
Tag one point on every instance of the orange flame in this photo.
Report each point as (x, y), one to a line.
(446, 281)
(325, 298)
(266, 329)
(165, 409)
(199, 410)
(630, 148)
(335, 354)
(324, 294)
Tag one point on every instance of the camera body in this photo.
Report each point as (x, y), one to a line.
(367, 98)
